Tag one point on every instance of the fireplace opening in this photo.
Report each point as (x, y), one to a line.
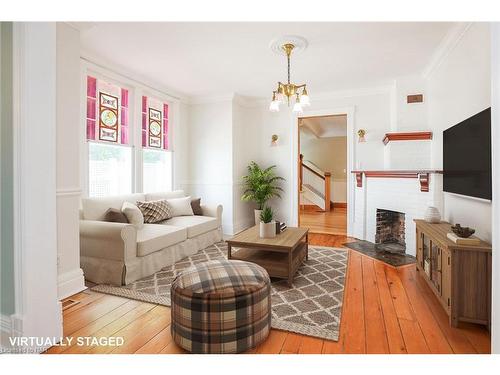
(390, 232)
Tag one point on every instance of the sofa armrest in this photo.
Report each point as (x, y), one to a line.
(102, 239)
(213, 211)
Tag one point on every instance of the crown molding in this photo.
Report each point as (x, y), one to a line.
(208, 99)
(102, 64)
(447, 45)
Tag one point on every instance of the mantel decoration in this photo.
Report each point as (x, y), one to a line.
(260, 186)
(289, 90)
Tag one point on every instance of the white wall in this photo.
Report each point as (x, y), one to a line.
(68, 138)
(211, 156)
(495, 137)
(458, 88)
(246, 138)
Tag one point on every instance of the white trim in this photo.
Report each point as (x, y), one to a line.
(38, 310)
(351, 161)
(449, 42)
(120, 74)
(495, 146)
(70, 283)
(69, 192)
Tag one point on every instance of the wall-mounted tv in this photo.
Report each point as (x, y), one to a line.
(467, 157)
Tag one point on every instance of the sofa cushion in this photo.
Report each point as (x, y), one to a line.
(195, 225)
(115, 216)
(133, 214)
(196, 206)
(165, 195)
(154, 237)
(95, 208)
(180, 207)
(155, 211)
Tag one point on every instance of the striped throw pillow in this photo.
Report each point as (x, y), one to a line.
(155, 211)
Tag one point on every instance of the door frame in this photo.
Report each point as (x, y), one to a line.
(350, 113)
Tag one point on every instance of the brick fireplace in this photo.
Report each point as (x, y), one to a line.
(390, 231)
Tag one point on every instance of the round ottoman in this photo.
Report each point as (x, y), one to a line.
(221, 306)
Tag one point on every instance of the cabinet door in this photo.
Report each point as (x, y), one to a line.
(446, 278)
(420, 255)
(436, 266)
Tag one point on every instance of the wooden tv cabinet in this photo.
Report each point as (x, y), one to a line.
(459, 275)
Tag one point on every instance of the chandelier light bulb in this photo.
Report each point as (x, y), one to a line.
(304, 99)
(275, 104)
(297, 107)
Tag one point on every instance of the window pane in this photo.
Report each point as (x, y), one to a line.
(110, 170)
(157, 171)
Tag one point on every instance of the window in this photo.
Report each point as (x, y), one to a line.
(156, 155)
(110, 157)
(157, 171)
(110, 170)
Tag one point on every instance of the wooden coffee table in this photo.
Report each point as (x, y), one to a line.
(281, 256)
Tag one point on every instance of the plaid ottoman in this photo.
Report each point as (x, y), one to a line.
(221, 306)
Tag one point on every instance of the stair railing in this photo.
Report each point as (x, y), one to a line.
(325, 176)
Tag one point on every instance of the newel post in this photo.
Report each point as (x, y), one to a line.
(328, 184)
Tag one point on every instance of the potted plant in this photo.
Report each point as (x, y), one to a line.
(267, 227)
(260, 186)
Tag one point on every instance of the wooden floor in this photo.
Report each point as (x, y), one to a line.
(386, 310)
(332, 222)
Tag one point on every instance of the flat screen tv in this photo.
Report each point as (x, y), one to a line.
(467, 157)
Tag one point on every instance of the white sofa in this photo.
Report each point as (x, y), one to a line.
(118, 254)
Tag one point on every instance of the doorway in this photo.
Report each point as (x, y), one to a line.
(322, 174)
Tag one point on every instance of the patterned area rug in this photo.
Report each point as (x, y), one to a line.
(313, 306)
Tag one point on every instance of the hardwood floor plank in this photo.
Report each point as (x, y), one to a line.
(292, 343)
(111, 329)
(157, 343)
(393, 331)
(273, 344)
(376, 335)
(352, 337)
(85, 298)
(332, 222)
(478, 336)
(137, 340)
(96, 325)
(436, 341)
(91, 312)
(413, 336)
(311, 345)
(399, 298)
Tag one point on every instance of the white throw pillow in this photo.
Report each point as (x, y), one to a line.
(133, 214)
(180, 206)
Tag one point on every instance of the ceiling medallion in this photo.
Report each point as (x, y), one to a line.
(288, 90)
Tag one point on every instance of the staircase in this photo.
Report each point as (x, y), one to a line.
(314, 184)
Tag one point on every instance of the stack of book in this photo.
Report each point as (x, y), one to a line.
(280, 227)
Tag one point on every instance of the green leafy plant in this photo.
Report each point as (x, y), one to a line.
(267, 214)
(261, 184)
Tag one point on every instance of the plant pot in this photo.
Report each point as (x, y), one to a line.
(267, 230)
(257, 216)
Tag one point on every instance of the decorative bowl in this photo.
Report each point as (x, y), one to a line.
(463, 232)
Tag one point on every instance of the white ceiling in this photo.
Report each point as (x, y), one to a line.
(324, 126)
(221, 58)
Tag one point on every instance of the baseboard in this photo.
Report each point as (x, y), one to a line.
(312, 207)
(70, 283)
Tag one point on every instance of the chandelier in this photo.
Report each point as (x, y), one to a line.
(289, 90)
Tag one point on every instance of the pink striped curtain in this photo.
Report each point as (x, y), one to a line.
(165, 127)
(91, 107)
(124, 117)
(144, 121)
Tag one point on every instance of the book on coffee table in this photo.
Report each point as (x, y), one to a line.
(463, 241)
